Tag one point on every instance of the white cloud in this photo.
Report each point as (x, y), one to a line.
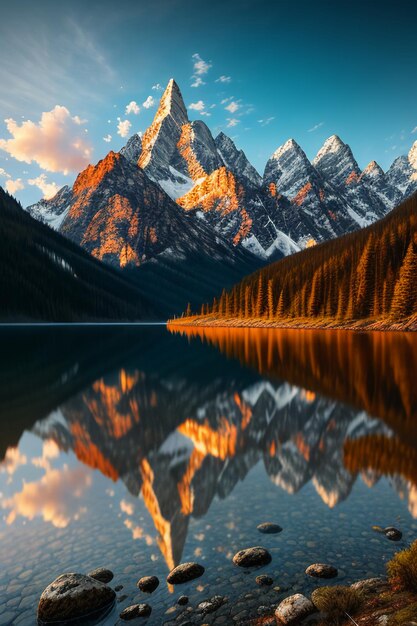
(315, 127)
(198, 81)
(201, 67)
(197, 106)
(126, 507)
(12, 460)
(149, 102)
(233, 107)
(266, 121)
(123, 127)
(4, 173)
(414, 130)
(57, 143)
(49, 190)
(226, 100)
(132, 107)
(14, 185)
(107, 138)
(223, 79)
(232, 121)
(157, 87)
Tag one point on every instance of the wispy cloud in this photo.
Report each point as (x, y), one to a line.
(200, 68)
(40, 73)
(4, 173)
(315, 127)
(157, 87)
(107, 138)
(57, 143)
(232, 121)
(266, 121)
(223, 79)
(414, 130)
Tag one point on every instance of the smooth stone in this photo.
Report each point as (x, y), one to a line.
(268, 528)
(293, 609)
(182, 600)
(393, 534)
(135, 610)
(321, 570)
(209, 606)
(184, 573)
(264, 580)
(370, 585)
(251, 557)
(148, 584)
(102, 574)
(74, 596)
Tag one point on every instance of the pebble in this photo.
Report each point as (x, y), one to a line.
(184, 573)
(211, 605)
(148, 584)
(293, 609)
(102, 574)
(136, 610)
(321, 570)
(182, 600)
(251, 557)
(268, 528)
(264, 580)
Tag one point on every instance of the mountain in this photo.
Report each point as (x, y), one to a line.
(46, 277)
(403, 172)
(365, 278)
(297, 203)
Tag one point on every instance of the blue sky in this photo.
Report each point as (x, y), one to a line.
(297, 69)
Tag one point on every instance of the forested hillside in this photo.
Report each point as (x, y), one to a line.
(45, 277)
(365, 278)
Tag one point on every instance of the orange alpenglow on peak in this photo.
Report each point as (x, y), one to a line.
(94, 174)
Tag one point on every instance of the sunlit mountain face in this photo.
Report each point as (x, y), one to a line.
(140, 449)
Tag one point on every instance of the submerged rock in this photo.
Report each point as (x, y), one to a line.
(209, 606)
(135, 610)
(264, 580)
(102, 574)
(74, 597)
(251, 557)
(148, 584)
(393, 534)
(182, 600)
(293, 609)
(184, 573)
(321, 570)
(268, 528)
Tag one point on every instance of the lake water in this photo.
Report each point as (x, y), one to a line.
(136, 448)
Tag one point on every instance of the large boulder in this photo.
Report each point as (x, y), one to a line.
(294, 609)
(252, 557)
(74, 597)
(184, 573)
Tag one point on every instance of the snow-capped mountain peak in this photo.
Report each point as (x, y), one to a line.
(412, 157)
(373, 170)
(236, 161)
(331, 145)
(290, 144)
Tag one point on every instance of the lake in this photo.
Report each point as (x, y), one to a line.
(137, 448)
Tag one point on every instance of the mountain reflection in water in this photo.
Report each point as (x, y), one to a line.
(181, 424)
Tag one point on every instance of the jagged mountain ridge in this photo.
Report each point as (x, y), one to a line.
(295, 203)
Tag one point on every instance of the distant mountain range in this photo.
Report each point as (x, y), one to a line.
(177, 185)
(46, 277)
